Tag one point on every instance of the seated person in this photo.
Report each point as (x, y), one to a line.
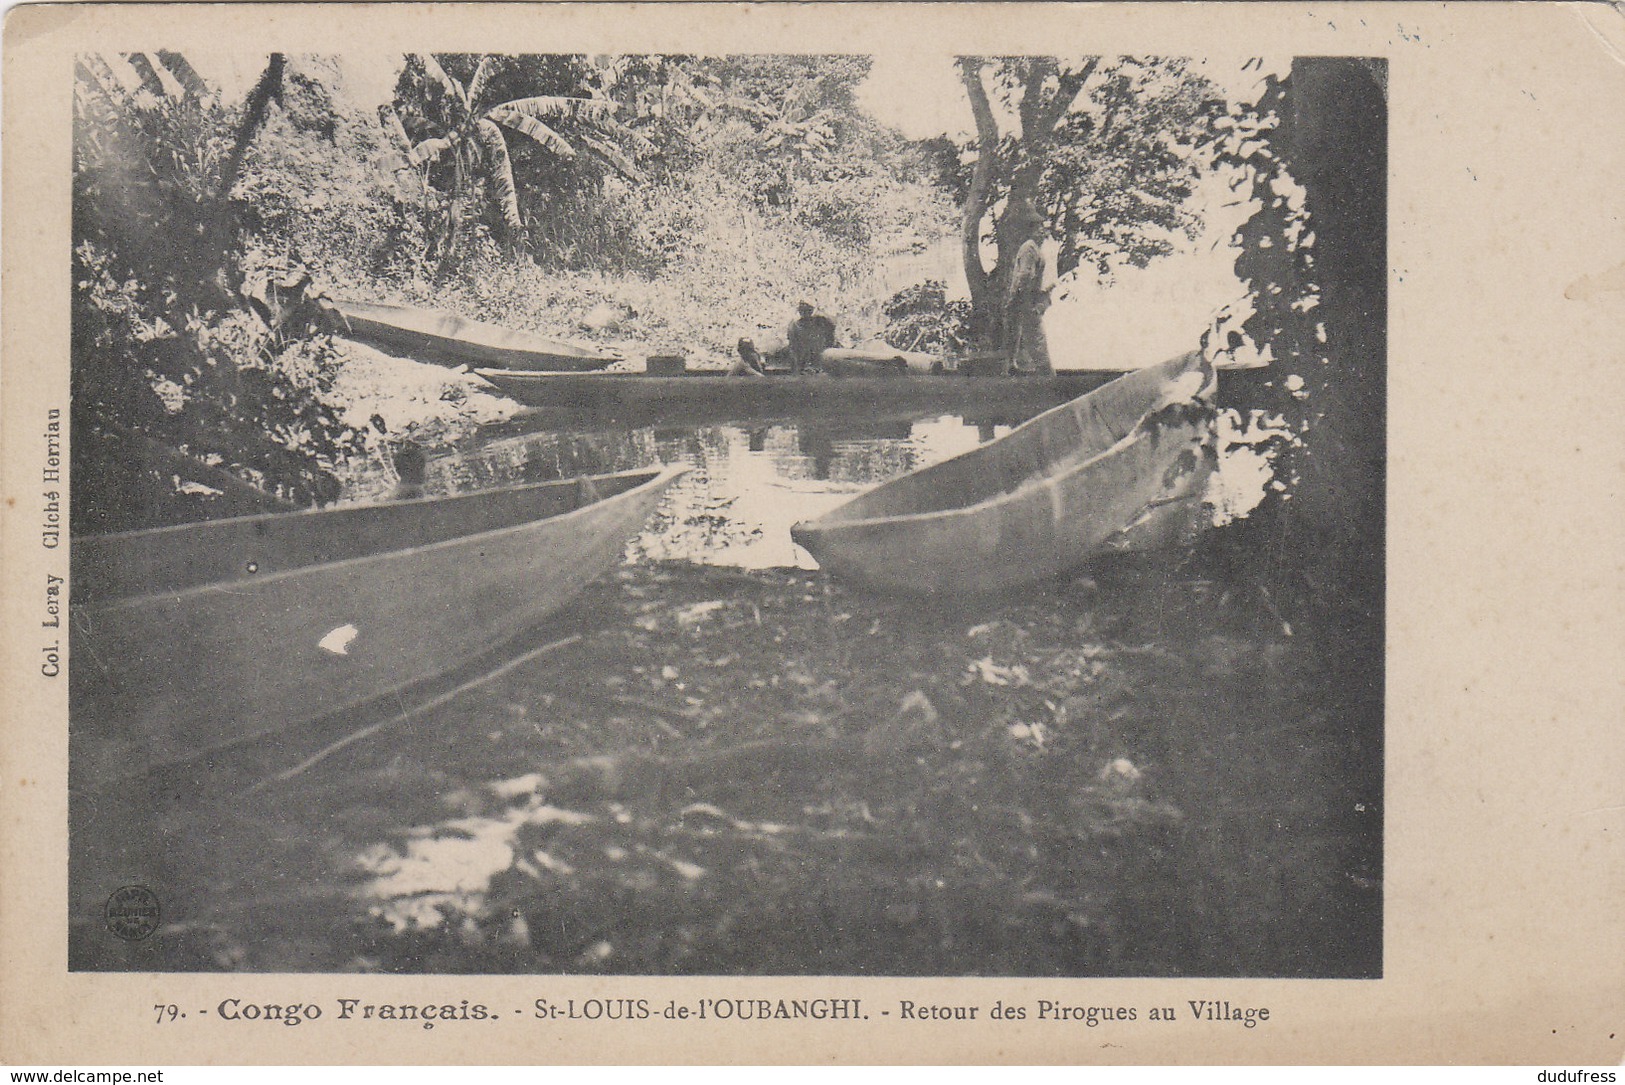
(810, 334)
(411, 467)
(749, 362)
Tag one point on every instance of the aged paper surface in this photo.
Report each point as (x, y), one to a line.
(1503, 873)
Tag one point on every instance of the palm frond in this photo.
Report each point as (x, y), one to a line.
(430, 150)
(183, 72)
(535, 129)
(95, 76)
(391, 123)
(501, 170)
(255, 107)
(750, 106)
(704, 100)
(437, 73)
(482, 75)
(612, 154)
(148, 74)
(556, 105)
(640, 143)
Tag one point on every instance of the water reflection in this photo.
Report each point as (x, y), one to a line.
(749, 481)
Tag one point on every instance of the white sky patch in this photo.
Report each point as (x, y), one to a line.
(920, 96)
(368, 79)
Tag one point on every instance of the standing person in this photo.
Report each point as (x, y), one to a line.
(810, 334)
(1025, 345)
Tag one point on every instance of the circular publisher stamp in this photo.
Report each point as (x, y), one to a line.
(132, 912)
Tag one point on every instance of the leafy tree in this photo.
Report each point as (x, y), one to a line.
(312, 178)
(799, 113)
(1104, 150)
(786, 132)
(198, 366)
(661, 99)
(455, 130)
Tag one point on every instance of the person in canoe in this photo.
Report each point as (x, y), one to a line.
(411, 468)
(749, 362)
(809, 335)
(1025, 302)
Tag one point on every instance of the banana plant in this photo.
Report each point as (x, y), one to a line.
(472, 139)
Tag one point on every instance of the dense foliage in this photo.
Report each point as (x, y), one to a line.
(1310, 153)
(924, 318)
(454, 122)
(650, 203)
(198, 367)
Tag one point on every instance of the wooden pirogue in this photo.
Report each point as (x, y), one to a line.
(436, 335)
(716, 393)
(195, 638)
(1123, 467)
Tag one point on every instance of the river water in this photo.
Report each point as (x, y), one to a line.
(1088, 770)
(748, 482)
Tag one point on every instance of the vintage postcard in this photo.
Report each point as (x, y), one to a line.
(797, 533)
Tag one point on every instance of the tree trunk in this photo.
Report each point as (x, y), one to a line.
(1013, 228)
(983, 293)
(1039, 117)
(1333, 139)
(259, 100)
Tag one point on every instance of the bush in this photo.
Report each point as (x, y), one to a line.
(922, 318)
(199, 370)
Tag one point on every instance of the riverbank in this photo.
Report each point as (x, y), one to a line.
(715, 771)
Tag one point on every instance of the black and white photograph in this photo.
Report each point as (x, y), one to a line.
(763, 514)
(808, 533)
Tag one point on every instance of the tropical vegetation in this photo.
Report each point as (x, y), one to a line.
(652, 202)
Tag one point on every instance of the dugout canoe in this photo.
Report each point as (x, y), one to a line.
(436, 335)
(714, 393)
(195, 638)
(1120, 468)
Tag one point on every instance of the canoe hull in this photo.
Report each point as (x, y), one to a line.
(450, 339)
(621, 395)
(167, 675)
(1084, 478)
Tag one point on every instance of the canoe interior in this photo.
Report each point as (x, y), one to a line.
(1064, 436)
(368, 603)
(190, 556)
(1122, 468)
